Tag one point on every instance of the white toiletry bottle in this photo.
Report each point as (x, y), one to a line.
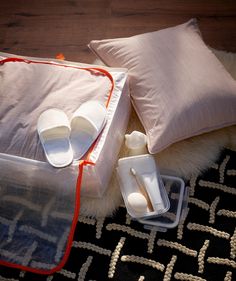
(136, 142)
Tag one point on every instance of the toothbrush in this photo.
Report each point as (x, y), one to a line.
(142, 188)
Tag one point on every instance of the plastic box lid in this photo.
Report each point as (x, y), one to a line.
(178, 196)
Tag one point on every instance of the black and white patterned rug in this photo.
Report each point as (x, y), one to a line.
(202, 247)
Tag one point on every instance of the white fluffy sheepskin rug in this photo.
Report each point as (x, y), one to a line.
(184, 159)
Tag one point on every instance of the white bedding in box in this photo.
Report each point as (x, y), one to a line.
(37, 173)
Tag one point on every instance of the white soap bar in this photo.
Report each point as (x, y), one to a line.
(138, 202)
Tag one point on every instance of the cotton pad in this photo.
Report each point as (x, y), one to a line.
(138, 202)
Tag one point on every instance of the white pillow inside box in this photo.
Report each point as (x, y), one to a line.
(28, 167)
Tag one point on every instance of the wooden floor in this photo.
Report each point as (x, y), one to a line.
(46, 27)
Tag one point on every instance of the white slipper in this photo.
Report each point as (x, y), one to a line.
(54, 132)
(86, 124)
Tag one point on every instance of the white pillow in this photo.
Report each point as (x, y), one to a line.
(178, 87)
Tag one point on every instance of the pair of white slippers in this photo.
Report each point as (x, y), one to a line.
(64, 141)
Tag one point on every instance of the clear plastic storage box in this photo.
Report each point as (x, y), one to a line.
(142, 187)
